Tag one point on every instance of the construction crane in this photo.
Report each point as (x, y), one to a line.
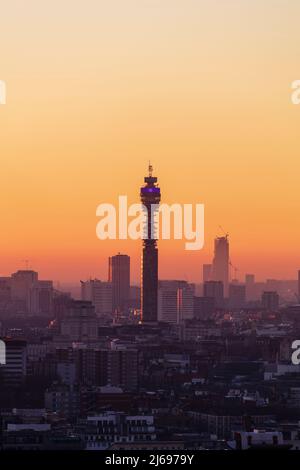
(234, 268)
(225, 233)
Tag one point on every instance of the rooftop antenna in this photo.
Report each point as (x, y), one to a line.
(150, 169)
(26, 263)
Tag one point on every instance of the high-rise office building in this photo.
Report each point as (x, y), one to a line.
(42, 298)
(150, 197)
(175, 301)
(119, 276)
(14, 370)
(185, 303)
(30, 294)
(215, 290)
(206, 272)
(81, 324)
(220, 267)
(250, 286)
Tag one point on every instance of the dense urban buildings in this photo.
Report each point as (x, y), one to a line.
(81, 322)
(23, 292)
(214, 371)
(168, 365)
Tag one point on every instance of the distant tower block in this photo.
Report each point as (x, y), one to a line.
(119, 276)
(220, 267)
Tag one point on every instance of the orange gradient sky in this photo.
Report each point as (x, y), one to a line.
(201, 87)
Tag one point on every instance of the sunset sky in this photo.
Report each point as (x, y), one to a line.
(96, 88)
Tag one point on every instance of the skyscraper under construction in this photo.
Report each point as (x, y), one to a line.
(150, 196)
(220, 267)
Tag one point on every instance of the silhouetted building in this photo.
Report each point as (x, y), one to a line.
(215, 290)
(250, 286)
(123, 369)
(270, 301)
(237, 295)
(167, 301)
(42, 298)
(135, 297)
(81, 323)
(206, 273)
(175, 301)
(150, 195)
(119, 276)
(14, 371)
(5, 290)
(220, 267)
(62, 303)
(185, 303)
(91, 366)
(203, 307)
(29, 294)
(99, 293)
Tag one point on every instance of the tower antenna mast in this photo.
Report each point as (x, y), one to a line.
(150, 169)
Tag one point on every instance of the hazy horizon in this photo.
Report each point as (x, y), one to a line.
(201, 88)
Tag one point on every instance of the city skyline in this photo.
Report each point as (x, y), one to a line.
(220, 265)
(149, 244)
(100, 272)
(86, 111)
